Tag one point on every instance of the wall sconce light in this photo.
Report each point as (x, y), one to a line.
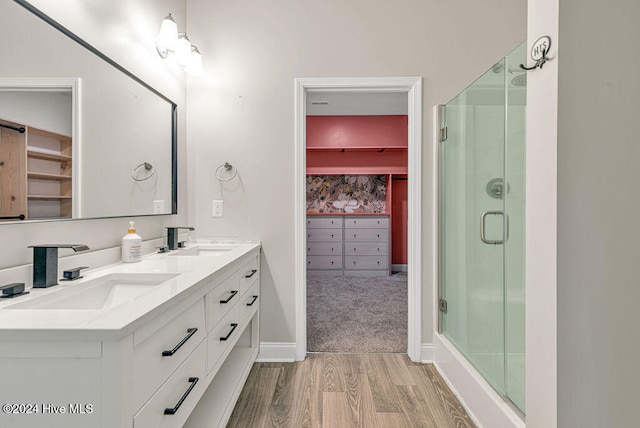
(171, 43)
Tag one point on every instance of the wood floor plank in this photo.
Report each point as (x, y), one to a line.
(434, 403)
(454, 408)
(285, 387)
(377, 392)
(395, 420)
(353, 364)
(360, 401)
(415, 407)
(257, 399)
(309, 403)
(396, 365)
(333, 374)
(335, 410)
(382, 387)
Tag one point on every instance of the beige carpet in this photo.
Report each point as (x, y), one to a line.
(357, 314)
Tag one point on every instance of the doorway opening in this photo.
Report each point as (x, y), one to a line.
(367, 214)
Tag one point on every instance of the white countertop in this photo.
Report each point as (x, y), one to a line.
(119, 321)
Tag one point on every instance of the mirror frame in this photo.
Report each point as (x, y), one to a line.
(174, 113)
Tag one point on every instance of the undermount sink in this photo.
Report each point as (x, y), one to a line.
(101, 293)
(203, 251)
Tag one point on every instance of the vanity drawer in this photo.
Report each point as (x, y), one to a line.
(176, 339)
(221, 299)
(367, 249)
(366, 235)
(366, 222)
(249, 274)
(324, 235)
(324, 249)
(152, 415)
(222, 336)
(366, 262)
(324, 262)
(250, 302)
(324, 222)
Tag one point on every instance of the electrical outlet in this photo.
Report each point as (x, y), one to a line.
(158, 207)
(217, 209)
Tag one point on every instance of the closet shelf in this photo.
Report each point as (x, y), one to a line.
(37, 154)
(48, 197)
(380, 149)
(43, 176)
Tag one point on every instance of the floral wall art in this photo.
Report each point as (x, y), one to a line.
(346, 193)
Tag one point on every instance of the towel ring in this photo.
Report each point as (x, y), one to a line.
(147, 167)
(226, 172)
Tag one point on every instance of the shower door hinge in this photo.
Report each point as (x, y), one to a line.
(443, 134)
(443, 306)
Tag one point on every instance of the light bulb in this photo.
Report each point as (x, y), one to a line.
(167, 37)
(194, 66)
(183, 49)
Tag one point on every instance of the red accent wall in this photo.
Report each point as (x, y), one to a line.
(364, 145)
(325, 162)
(399, 219)
(340, 132)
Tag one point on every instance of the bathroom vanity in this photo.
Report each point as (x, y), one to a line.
(167, 342)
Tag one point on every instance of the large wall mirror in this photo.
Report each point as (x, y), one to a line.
(80, 136)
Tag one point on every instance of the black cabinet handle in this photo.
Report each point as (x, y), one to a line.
(252, 301)
(253, 272)
(190, 332)
(173, 410)
(233, 327)
(233, 293)
(332, 236)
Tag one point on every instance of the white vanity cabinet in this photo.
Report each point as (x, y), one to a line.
(183, 364)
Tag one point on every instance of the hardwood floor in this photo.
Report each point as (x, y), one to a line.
(348, 390)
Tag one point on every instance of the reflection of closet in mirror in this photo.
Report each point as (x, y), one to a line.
(35, 173)
(49, 187)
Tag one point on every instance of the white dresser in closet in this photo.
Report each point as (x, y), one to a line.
(366, 245)
(324, 245)
(348, 245)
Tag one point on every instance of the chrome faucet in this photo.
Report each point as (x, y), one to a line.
(172, 236)
(45, 263)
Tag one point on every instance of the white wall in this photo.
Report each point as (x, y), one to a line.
(124, 31)
(46, 110)
(243, 111)
(598, 205)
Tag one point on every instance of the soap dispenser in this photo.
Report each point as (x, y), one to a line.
(131, 246)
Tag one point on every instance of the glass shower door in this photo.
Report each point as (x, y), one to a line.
(482, 226)
(473, 223)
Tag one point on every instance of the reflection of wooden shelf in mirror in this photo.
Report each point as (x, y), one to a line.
(36, 154)
(44, 176)
(49, 158)
(48, 197)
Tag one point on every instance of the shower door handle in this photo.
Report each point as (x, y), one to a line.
(483, 221)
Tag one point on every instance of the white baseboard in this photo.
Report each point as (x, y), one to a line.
(277, 352)
(399, 268)
(483, 405)
(426, 353)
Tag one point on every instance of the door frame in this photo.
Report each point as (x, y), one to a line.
(413, 87)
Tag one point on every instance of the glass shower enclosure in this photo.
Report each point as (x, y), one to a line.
(482, 230)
